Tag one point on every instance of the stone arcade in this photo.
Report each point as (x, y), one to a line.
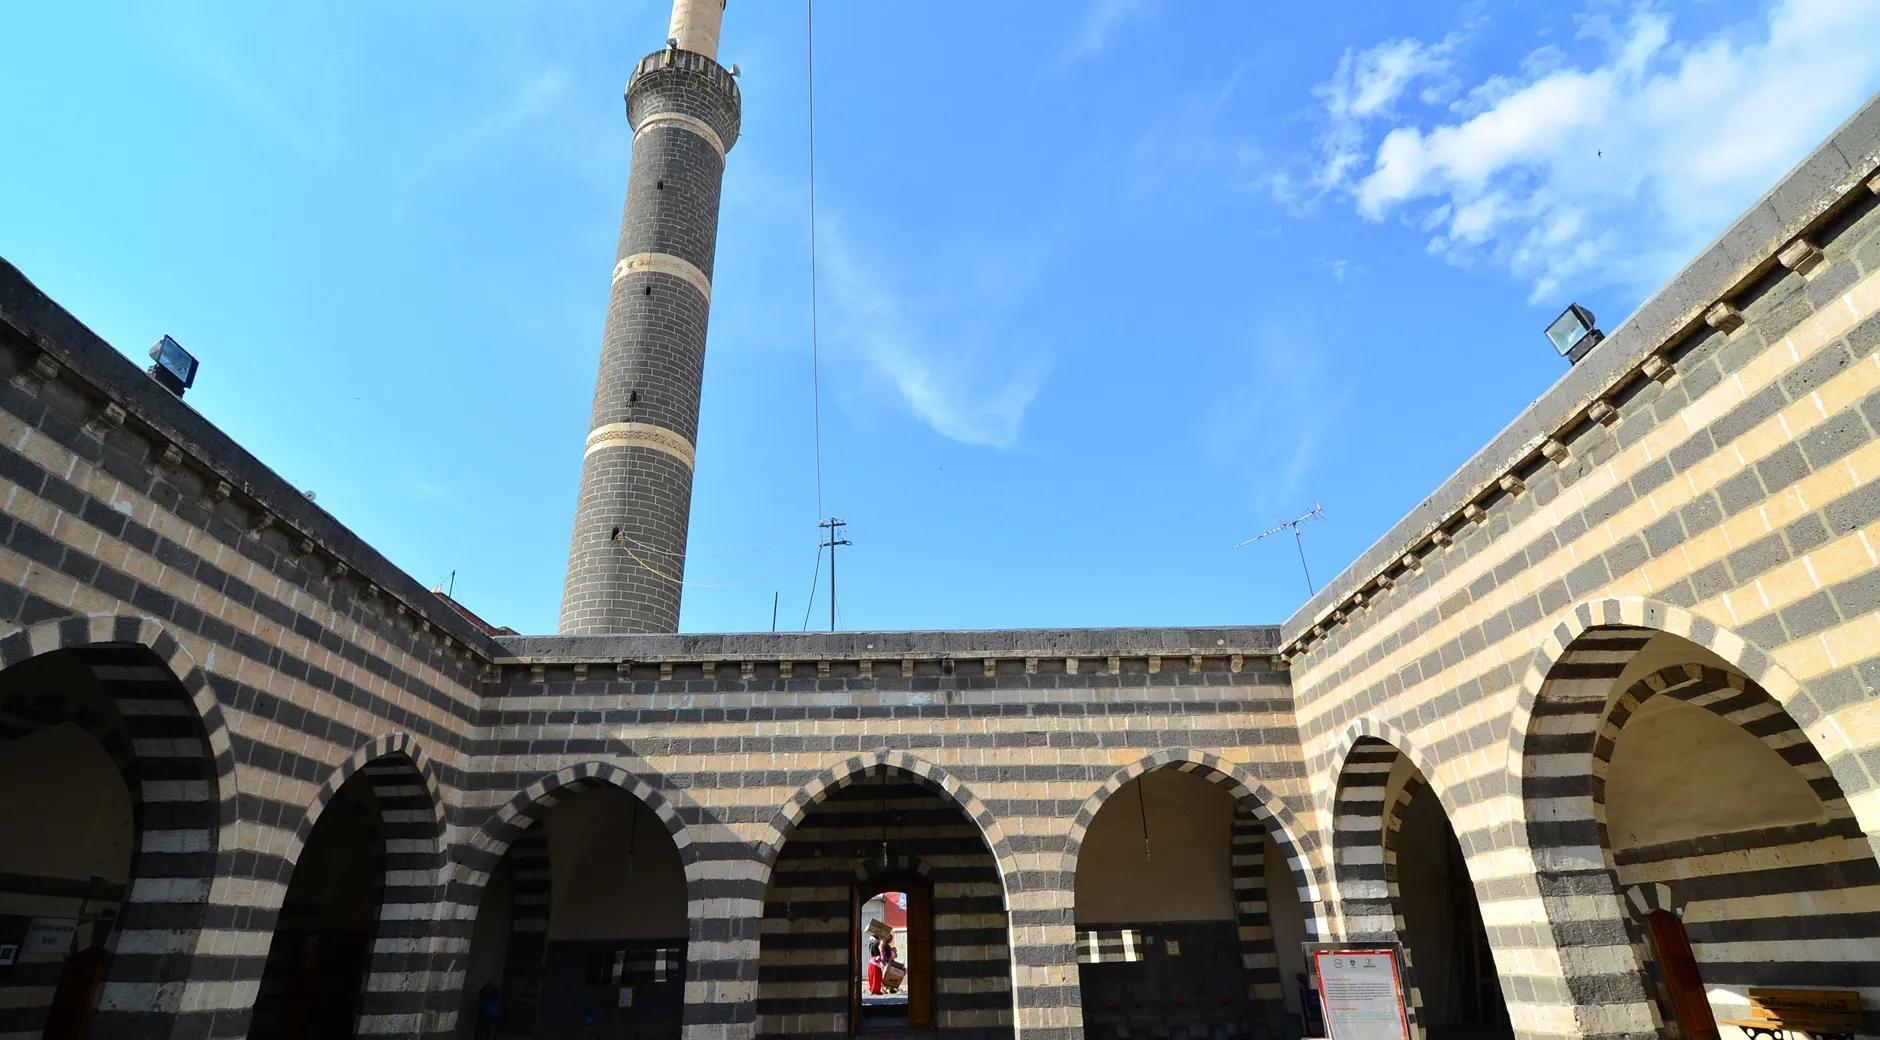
(1593, 732)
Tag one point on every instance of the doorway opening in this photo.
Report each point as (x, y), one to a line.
(1403, 877)
(1187, 916)
(884, 828)
(891, 980)
(1701, 790)
(103, 767)
(581, 931)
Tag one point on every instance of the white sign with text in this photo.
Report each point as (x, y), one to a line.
(1361, 994)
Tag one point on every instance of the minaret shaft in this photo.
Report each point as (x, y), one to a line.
(695, 25)
(626, 561)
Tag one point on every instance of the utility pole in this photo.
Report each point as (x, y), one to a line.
(835, 538)
(1298, 540)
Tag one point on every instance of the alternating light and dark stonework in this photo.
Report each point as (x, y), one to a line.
(326, 780)
(626, 562)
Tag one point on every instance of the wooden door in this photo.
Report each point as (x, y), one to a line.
(78, 990)
(920, 963)
(1679, 966)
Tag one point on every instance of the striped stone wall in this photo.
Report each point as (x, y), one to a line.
(1791, 907)
(1714, 474)
(738, 746)
(296, 650)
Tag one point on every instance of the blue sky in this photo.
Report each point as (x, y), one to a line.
(1107, 285)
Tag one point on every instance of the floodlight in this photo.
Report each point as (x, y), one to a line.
(175, 368)
(1573, 334)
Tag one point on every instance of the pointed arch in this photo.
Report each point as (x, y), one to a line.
(1369, 815)
(132, 629)
(846, 772)
(980, 885)
(387, 744)
(1735, 699)
(526, 807)
(178, 736)
(1365, 754)
(398, 997)
(511, 824)
(1247, 791)
(1568, 666)
(1561, 707)
(1563, 730)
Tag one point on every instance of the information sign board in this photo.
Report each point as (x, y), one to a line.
(49, 935)
(1361, 994)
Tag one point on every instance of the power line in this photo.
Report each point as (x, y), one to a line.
(648, 567)
(814, 575)
(815, 360)
(815, 349)
(687, 554)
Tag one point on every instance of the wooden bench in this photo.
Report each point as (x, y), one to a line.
(1824, 1014)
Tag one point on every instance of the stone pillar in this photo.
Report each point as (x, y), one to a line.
(1045, 992)
(724, 923)
(1258, 959)
(528, 933)
(399, 985)
(627, 557)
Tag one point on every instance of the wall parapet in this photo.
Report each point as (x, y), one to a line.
(1087, 651)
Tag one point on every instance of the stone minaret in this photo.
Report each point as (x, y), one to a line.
(628, 552)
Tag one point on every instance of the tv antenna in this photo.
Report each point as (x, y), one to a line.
(1292, 525)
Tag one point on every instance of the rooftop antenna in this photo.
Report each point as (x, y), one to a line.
(1292, 525)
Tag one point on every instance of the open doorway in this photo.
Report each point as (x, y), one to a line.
(1178, 920)
(581, 931)
(891, 985)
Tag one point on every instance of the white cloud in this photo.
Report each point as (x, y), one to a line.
(1368, 84)
(1609, 171)
(1368, 81)
(1100, 21)
(965, 386)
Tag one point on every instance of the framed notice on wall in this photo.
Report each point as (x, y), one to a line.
(49, 936)
(1361, 993)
